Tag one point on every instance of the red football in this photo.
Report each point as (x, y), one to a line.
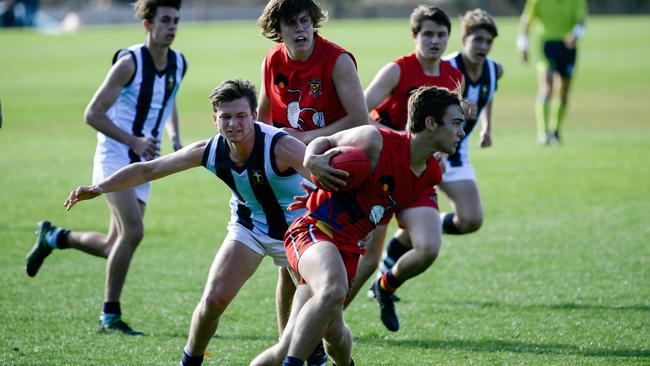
(354, 161)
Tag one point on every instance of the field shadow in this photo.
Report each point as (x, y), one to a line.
(559, 306)
(505, 346)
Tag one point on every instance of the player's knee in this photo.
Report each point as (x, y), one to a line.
(428, 252)
(333, 296)
(214, 304)
(470, 224)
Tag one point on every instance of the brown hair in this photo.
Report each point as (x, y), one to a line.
(146, 9)
(476, 19)
(277, 11)
(429, 101)
(428, 12)
(233, 89)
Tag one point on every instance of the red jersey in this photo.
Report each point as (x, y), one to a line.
(392, 112)
(302, 93)
(350, 216)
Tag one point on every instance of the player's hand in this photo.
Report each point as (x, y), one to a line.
(523, 55)
(177, 144)
(328, 178)
(81, 194)
(485, 139)
(570, 41)
(470, 109)
(363, 243)
(300, 202)
(441, 158)
(146, 147)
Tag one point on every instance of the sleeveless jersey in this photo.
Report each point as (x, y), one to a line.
(146, 101)
(480, 92)
(392, 186)
(260, 193)
(302, 94)
(392, 112)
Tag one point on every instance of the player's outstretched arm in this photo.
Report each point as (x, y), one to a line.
(382, 85)
(139, 173)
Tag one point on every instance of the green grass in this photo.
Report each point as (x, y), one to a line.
(559, 274)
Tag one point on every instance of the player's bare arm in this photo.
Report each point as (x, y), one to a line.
(382, 85)
(173, 130)
(289, 153)
(139, 173)
(485, 136)
(263, 103)
(350, 93)
(95, 114)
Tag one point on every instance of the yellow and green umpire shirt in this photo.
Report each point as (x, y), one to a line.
(556, 18)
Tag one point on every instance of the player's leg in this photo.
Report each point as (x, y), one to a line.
(543, 103)
(466, 201)
(369, 261)
(49, 237)
(566, 63)
(423, 225)
(338, 341)
(560, 109)
(127, 215)
(233, 265)
(273, 355)
(322, 268)
(284, 292)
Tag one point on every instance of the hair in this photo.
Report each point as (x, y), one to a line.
(146, 9)
(277, 11)
(233, 89)
(476, 19)
(429, 101)
(428, 12)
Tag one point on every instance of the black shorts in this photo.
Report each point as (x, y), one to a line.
(560, 58)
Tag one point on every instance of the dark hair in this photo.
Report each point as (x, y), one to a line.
(428, 12)
(429, 101)
(476, 19)
(277, 11)
(233, 89)
(146, 9)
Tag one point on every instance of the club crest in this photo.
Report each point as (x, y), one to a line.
(314, 87)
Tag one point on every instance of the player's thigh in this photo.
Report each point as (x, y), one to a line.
(322, 266)
(125, 209)
(233, 265)
(465, 198)
(423, 226)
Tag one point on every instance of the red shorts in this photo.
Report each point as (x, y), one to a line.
(305, 232)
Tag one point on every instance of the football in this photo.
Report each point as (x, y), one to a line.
(354, 161)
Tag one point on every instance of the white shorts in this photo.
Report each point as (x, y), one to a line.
(455, 174)
(259, 242)
(109, 163)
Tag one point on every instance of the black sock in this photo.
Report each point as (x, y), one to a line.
(112, 307)
(189, 360)
(393, 281)
(292, 361)
(351, 362)
(62, 239)
(394, 252)
(448, 226)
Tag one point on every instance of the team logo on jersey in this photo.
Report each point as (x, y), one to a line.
(484, 91)
(314, 87)
(377, 212)
(303, 119)
(258, 177)
(171, 81)
(280, 84)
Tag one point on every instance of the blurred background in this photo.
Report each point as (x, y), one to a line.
(73, 13)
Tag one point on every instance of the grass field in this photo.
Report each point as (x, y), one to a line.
(559, 274)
